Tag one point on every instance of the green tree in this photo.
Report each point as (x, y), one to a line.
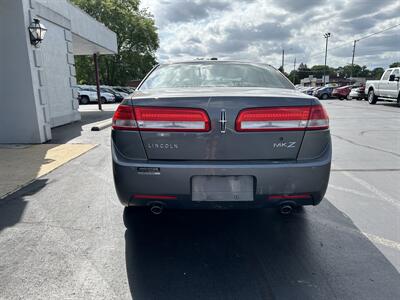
(377, 73)
(302, 71)
(137, 41)
(395, 64)
(347, 71)
(294, 77)
(318, 71)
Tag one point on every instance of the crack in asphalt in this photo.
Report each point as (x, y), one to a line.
(376, 130)
(366, 146)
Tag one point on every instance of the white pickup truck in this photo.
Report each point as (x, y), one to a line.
(386, 89)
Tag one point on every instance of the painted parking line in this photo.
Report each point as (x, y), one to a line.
(382, 241)
(382, 195)
(352, 191)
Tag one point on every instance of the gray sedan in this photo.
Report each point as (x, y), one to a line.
(219, 134)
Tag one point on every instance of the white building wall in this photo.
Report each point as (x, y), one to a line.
(21, 113)
(36, 84)
(59, 72)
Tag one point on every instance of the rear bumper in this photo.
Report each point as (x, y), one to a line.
(174, 179)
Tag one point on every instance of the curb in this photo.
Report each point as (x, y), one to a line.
(101, 125)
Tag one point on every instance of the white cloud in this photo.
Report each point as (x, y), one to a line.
(259, 30)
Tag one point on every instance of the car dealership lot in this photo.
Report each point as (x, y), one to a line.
(63, 235)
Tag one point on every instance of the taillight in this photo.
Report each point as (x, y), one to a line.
(124, 118)
(318, 119)
(162, 119)
(292, 118)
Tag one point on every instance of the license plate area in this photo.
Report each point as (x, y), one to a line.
(222, 188)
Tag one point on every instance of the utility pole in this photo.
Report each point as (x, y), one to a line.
(283, 60)
(294, 71)
(352, 60)
(326, 36)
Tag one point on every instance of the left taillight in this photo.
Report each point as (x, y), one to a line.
(124, 118)
(161, 119)
(292, 118)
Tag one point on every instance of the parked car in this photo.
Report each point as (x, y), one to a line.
(357, 92)
(342, 92)
(117, 95)
(387, 88)
(87, 95)
(121, 90)
(313, 90)
(324, 92)
(219, 134)
(304, 89)
(309, 90)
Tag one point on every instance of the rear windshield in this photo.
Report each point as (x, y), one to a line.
(187, 75)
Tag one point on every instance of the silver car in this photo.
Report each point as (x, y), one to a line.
(219, 134)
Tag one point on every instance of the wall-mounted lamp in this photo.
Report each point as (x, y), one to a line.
(37, 32)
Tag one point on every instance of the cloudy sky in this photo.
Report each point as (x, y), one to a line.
(259, 30)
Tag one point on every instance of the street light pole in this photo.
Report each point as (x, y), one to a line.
(326, 36)
(283, 60)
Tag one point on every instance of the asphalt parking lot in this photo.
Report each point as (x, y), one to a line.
(63, 235)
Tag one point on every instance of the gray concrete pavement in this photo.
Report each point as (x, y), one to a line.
(63, 236)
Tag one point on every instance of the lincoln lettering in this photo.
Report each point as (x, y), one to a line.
(162, 146)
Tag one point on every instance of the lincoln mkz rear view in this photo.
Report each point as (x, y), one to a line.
(219, 134)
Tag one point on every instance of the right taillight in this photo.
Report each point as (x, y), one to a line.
(161, 119)
(292, 118)
(318, 119)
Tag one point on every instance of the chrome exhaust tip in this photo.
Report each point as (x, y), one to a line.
(156, 209)
(286, 209)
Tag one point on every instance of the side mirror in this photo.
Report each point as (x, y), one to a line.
(393, 78)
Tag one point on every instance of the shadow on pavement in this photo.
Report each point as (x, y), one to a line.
(317, 253)
(13, 206)
(65, 133)
(23, 163)
(389, 104)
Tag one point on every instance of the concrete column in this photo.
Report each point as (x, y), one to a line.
(22, 117)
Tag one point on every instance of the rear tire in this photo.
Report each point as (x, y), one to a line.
(103, 100)
(84, 100)
(324, 96)
(371, 97)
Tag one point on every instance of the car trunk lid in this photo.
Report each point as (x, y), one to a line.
(222, 137)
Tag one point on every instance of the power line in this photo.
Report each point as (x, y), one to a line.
(360, 39)
(375, 33)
